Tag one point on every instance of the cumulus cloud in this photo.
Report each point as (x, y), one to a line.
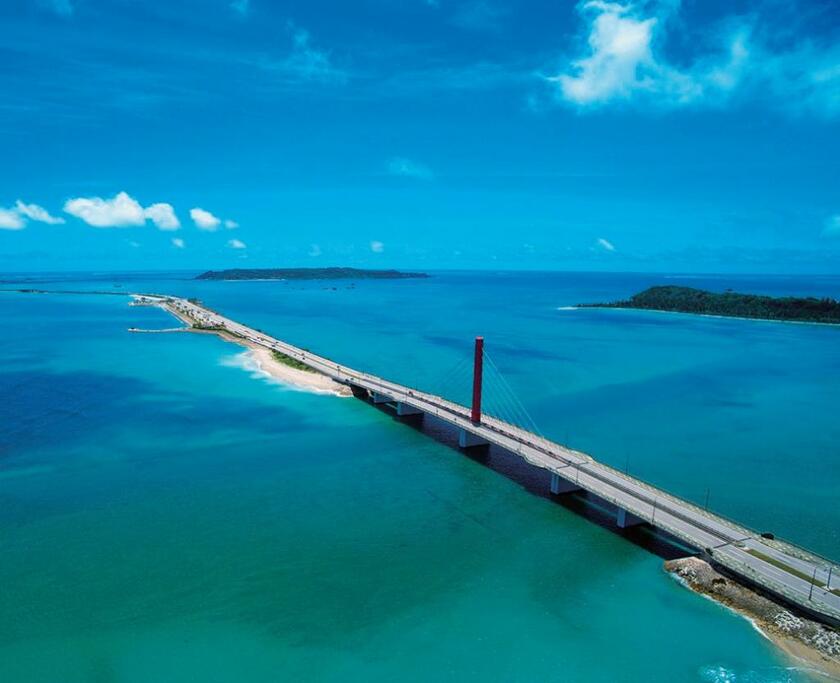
(37, 213)
(10, 219)
(606, 245)
(231, 225)
(377, 247)
(204, 220)
(624, 60)
(236, 244)
(832, 226)
(163, 216)
(120, 211)
(407, 168)
(178, 243)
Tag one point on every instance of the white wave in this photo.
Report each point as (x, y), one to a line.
(248, 361)
(718, 674)
(567, 308)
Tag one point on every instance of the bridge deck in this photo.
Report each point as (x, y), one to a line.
(790, 572)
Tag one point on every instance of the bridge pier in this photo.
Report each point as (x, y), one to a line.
(404, 410)
(380, 398)
(358, 392)
(560, 485)
(625, 519)
(469, 440)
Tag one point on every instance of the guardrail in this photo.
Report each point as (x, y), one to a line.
(640, 497)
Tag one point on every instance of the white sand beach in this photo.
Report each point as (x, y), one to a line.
(264, 360)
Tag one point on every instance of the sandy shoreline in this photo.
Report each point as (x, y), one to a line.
(813, 646)
(265, 361)
(299, 379)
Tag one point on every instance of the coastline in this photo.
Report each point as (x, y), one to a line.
(803, 640)
(698, 315)
(302, 380)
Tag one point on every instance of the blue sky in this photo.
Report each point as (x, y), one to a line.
(681, 136)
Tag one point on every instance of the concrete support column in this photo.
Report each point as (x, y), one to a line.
(560, 485)
(403, 409)
(380, 398)
(625, 519)
(469, 440)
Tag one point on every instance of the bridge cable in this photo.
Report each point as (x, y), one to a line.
(451, 377)
(512, 395)
(506, 404)
(499, 402)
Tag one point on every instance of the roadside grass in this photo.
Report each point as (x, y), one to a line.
(790, 570)
(291, 362)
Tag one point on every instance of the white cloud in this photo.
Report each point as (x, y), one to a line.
(37, 213)
(236, 244)
(122, 210)
(624, 61)
(315, 250)
(241, 7)
(10, 219)
(400, 166)
(620, 63)
(63, 8)
(832, 226)
(479, 15)
(231, 225)
(119, 211)
(204, 220)
(377, 247)
(178, 243)
(306, 62)
(606, 245)
(163, 216)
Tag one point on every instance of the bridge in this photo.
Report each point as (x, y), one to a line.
(794, 575)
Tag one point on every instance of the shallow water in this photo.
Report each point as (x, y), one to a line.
(168, 515)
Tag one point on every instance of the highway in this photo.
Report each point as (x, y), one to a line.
(790, 572)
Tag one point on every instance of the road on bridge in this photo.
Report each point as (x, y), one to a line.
(796, 575)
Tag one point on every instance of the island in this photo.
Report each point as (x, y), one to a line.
(306, 274)
(731, 304)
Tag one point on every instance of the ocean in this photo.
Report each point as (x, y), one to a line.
(169, 513)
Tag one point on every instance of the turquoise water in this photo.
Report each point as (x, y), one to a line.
(170, 515)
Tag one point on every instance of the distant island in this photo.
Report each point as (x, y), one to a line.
(306, 274)
(731, 304)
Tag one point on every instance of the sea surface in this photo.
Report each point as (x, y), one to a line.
(169, 514)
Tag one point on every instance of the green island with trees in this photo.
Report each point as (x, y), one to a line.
(307, 274)
(731, 304)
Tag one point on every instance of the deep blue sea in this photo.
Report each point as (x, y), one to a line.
(168, 513)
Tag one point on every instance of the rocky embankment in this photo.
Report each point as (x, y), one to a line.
(802, 638)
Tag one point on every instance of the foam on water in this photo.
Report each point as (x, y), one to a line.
(194, 515)
(247, 360)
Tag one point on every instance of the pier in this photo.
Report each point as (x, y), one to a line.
(793, 575)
